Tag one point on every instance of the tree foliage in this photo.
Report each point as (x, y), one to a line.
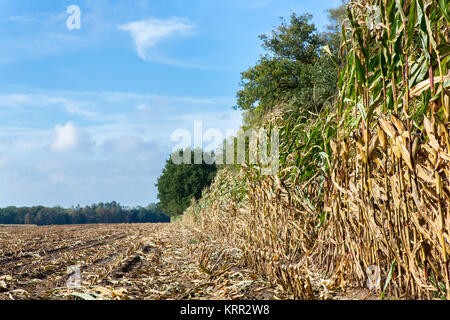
(179, 183)
(295, 69)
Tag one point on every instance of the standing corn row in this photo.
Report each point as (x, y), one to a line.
(389, 205)
(273, 218)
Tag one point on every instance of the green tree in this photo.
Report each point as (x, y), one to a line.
(179, 183)
(296, 69)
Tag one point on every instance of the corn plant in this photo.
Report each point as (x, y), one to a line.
(391, 169)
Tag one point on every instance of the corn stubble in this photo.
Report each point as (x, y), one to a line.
(123, 262)
(363, 183)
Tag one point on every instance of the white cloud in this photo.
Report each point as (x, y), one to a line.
(69, 138)
(148, 33)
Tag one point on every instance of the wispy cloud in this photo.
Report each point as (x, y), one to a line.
(19, 19)
(47, 100)
(148, 33)
(91, 104)
(34, 36)
(115, 121)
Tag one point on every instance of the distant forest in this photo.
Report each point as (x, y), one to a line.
(97, 213)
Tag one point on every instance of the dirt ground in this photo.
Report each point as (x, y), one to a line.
(123, 261)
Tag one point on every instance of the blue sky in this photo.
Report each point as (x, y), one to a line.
(86, 115)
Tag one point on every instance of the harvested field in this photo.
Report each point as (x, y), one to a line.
(123, 261)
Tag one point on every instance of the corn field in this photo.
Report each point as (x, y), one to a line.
(389, 200)
(364, 183)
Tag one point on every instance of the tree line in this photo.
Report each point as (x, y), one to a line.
(111, 212)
